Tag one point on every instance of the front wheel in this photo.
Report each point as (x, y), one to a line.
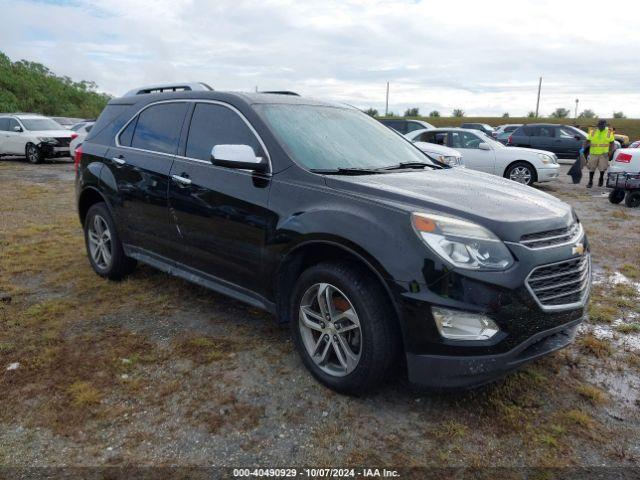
(616, 195)
(33, 153)
(521, 172)
(633, 199)
(104, 248)
(344, 327)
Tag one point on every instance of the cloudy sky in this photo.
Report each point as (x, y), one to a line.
(482, 56)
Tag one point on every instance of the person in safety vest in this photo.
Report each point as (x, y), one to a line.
(600, 144)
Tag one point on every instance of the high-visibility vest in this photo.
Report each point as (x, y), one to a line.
(600, 140)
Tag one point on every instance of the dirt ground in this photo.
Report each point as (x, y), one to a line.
(155, 371)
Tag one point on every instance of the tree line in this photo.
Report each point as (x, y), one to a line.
(459, 113)
(31, 87)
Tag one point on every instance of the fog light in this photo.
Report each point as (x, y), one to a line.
(459, 325)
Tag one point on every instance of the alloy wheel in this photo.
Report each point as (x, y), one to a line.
(100, 246)
(521, 175)
(330, 329)
(32, 154)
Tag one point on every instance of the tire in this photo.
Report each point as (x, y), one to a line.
(616, 195)
(521, 172)
(633, 199)
(33, 153)
(375, 341)
(104, 248)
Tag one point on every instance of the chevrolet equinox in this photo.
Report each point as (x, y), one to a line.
(376, 255)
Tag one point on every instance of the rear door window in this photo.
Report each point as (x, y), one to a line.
(158, 127)
(213, 124)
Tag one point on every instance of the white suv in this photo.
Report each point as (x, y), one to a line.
(33, 136)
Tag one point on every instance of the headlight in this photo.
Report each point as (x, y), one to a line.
(463, 244)
(459, 325)
(452, 160)
(47, 140)
(544, 158)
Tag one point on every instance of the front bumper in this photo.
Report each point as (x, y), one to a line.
(50, 151)
(442, 371)
(548, 174)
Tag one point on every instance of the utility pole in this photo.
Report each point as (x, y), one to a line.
(538, 102)
(386, 106)
(575, 116)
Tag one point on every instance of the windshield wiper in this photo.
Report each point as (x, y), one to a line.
(346, 171)
(402, 165)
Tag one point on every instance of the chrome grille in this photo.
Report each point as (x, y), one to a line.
(552, 238)
(561, 285)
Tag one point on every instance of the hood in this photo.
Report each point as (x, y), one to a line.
(507, 208)
(51, 133)
(437, 149)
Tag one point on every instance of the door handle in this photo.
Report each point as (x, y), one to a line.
(118, 160)
(181, 180)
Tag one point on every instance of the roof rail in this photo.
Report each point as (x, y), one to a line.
(282, 92)
(169, 87)
(21, 113)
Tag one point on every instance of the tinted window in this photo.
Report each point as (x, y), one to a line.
(411, 126)
(564, 132)
(4, 124)
(546, 131)
(524, 131)
(158, 127)
(217, 125)
(13, 123)
(425, 137)
(464, 140)
(510, 129)
(127, 133)
(397, 125)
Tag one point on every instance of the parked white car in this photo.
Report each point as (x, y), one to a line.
(78, 134)
(482, 153)
(441, 153)
(33, 136)
(625, 160)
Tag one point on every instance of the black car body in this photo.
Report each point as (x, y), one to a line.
(563, 140)
(251, 233)
(404, 126)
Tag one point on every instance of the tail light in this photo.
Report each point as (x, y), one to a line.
(74, 135)
(624, 158)
(77, 156)
(509, 139)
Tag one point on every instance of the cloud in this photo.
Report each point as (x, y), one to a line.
(483, 57)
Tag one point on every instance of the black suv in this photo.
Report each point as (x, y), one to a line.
(563, 140)
(321, 215)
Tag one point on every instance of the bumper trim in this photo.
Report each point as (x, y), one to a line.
(450, 372)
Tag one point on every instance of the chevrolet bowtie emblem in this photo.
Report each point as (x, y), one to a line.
(578, 249)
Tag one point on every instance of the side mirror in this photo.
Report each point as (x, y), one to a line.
(17, 128)
(484, 146)
(237, 156)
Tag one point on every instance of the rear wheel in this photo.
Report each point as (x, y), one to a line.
(33, 153)
(521, 172)
(344, 327)
(633, 199)
(616, 195)
(104, 248)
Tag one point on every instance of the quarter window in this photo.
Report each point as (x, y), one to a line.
(158, 127)
(217, 125)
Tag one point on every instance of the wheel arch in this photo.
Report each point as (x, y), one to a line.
(88, 197)
(313, 251)
(511, 164)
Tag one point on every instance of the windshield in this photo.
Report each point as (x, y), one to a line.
(38, 124)
(322, 137)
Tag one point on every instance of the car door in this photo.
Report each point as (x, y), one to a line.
(475, 158)
(544, 138)
(16, 140)
(140, 164)
(220, 214)
(566, 141)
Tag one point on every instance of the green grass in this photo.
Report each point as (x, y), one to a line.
(627, 126)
